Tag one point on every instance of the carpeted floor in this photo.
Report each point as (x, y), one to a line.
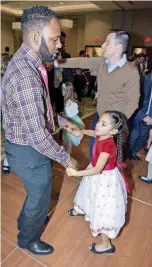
(86, 107)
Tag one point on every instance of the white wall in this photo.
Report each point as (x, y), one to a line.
(90, 25)
(142, 27)
(138, 23)
(97, 25)
(75, 36)
(85, 28)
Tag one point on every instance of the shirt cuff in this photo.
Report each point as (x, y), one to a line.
(66, 160)
(62, 121)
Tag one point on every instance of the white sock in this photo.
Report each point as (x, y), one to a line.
(5, 162)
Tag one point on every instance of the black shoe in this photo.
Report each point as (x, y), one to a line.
(45, 223)
(110, 251)
(70, 212)
(145, 179)
(136, 158)
(39, 248)
(6, 169)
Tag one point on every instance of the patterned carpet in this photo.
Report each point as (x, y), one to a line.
(86, 108)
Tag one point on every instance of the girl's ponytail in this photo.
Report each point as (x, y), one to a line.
(120, 123)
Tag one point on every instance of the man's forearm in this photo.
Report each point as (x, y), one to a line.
(82, 63)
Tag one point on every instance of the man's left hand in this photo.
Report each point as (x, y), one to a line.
(148, 120)
(49, 65)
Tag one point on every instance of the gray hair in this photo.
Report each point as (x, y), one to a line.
(123, 38)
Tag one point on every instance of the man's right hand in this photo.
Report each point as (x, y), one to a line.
(72, 163)
(49, 65)
(61, 60)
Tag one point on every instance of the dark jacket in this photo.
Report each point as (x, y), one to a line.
(67, 73)
(142, 113)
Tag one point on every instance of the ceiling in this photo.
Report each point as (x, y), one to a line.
(23, 4)
(74, 7)
(60, 7)
(118, 5)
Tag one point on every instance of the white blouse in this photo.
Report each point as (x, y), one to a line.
(71, 109)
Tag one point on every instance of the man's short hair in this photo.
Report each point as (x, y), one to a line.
(36, 18)
(140, 55)
(7, 49)
(82, 53)
(63, 34)
(123, 38)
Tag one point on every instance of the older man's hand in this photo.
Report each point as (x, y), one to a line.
(49, 65)
(61, 60)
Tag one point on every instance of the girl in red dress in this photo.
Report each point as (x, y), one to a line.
(102, 193)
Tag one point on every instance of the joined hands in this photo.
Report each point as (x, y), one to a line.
(72, 164)
(74, 129)
(71, 172)
(77, 133)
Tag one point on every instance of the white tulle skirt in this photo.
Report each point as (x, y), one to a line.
(103, 200)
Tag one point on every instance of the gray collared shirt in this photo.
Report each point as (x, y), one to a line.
(119, 63)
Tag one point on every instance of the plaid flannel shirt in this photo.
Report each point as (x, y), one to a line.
(25, 109)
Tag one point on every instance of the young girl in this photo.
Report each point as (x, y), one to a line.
(71, 112)
(102, 194)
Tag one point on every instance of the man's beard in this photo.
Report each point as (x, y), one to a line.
(45, 54)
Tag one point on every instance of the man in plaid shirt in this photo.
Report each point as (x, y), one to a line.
(28, 122)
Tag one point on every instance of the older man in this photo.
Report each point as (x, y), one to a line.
(28, 122)
(117, 79)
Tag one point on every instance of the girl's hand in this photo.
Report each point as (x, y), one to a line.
(73, 126)
(77, 133)
(71, 172)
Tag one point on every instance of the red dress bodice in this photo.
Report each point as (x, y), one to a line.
(108, 146)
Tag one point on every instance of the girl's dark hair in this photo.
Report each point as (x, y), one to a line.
(119, 121)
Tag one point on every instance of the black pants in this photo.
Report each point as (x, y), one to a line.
(79, 84)
(92, 85)
(36, 173)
